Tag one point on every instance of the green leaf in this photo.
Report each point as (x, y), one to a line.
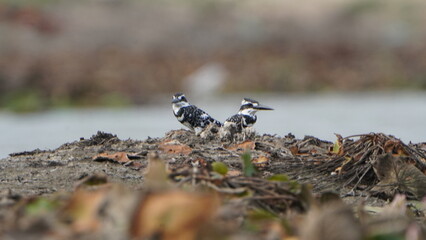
(40, 205)
(261, 214)
(336, 147)
(294, 186)
(279, 178)
(220, 168)
(248, 167)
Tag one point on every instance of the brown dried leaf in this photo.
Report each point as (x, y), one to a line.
(261, 161)
(246, 145)
(397, 175)
(120, 157)
(174, 215)
(294, 150)
(172, 147)
(395, 147)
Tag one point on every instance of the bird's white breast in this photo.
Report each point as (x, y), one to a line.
(178, 106)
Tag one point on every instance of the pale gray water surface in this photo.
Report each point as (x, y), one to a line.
(400, 114)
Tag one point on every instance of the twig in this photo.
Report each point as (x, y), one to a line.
(227, 190)
(271, 197)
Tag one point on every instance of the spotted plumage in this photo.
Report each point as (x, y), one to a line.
(246, 116)
(191, 116)
(241, 121)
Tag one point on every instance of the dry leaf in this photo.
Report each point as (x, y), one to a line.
(294, 150)
(120, 157)
(394, 147)
(246, 145)
(337, 146)
(173, 215)
(173, 147)
(261, 161)
(396, 175)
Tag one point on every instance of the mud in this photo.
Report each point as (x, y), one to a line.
(320, 164)
(43, 172)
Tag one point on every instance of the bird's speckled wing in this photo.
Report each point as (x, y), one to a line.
(193, 117)
(237, 119)
(242, 121)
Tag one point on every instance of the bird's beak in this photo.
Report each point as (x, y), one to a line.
(175, 100)
(262, 107)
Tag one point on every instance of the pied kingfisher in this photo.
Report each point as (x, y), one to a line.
(244, 119)
(191, 116)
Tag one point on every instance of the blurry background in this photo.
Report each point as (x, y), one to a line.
(70, 68)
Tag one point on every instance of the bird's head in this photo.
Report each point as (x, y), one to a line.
(179, 100)
(250, 107)
(179, 97)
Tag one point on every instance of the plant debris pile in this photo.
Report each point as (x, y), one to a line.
(277, 194)
(356, 162)
(185, 187)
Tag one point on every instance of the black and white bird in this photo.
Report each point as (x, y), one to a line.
(191, 116)
(244, 119)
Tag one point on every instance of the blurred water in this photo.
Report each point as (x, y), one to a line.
(400, 114)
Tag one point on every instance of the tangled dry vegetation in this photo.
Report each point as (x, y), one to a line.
(369, 186)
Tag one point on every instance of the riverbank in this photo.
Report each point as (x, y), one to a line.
(279, 178)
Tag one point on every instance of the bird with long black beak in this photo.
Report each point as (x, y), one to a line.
(244, 119)
(191, 116)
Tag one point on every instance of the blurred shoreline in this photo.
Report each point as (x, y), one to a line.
(120, 53)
